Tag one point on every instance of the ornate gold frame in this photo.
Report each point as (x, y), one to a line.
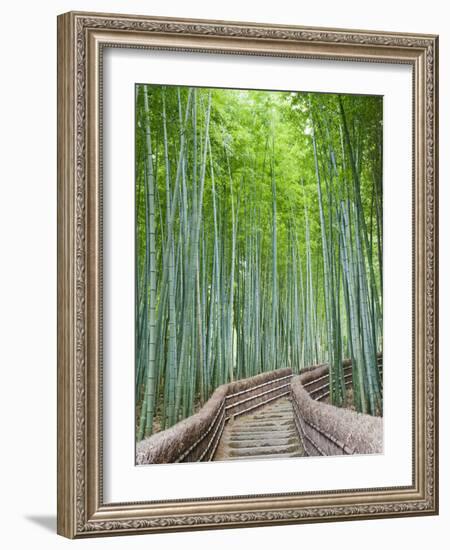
(81, 37)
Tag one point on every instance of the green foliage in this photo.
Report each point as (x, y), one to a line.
(258, 242)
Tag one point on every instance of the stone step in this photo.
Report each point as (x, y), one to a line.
(272, 434)
(269, 419)
(261, 425)
(266, 456)
(263, 414)
(259, 435)
(269, 442)
(274, 449)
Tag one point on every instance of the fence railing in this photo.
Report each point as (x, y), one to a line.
(318, 385)
(327, 430)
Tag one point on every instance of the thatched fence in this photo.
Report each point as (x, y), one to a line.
(195, 439)
(328, 430)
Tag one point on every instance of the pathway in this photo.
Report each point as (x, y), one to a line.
(268, 433)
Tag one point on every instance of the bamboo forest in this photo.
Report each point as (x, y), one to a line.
(259, 244)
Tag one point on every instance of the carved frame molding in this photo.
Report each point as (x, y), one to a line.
(81, 37)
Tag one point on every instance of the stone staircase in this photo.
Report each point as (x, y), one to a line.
(268, 433)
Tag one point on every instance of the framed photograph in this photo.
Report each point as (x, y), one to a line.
(247, 274)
